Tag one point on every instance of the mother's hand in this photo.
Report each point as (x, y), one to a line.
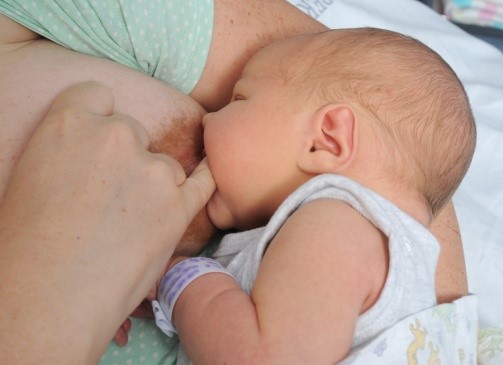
(88, 222)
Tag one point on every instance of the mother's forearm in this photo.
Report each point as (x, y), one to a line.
(240, 29)
(451, 281)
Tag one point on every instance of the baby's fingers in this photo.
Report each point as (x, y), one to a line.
(121, 337)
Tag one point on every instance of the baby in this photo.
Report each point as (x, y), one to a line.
(352, 141)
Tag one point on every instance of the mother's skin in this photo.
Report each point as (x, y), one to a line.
(33, 71)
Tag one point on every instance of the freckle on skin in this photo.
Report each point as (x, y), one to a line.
(124, 210)
(78, 238)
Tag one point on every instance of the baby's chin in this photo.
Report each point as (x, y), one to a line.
(219, 213)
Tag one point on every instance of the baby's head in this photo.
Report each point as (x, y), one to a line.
(413, 102)
(369, 104)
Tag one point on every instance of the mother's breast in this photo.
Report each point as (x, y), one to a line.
(32, 75)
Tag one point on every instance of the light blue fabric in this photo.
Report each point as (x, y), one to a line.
(463, 3)
(147, 345)
(167, 39)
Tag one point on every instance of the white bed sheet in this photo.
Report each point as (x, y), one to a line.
(479, 200)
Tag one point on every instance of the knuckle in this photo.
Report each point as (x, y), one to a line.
(64, 118)
(67, 112)
(120, 134)
(159, 172)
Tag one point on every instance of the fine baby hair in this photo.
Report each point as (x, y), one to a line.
(419, 109)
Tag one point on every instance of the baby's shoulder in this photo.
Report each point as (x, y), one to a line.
(333, 234)
(334, 226)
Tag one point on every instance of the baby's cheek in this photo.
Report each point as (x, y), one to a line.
(219, 212)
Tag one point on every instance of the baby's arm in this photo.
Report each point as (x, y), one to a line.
(318, 275)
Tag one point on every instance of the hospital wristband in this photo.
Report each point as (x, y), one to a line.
(174, 282)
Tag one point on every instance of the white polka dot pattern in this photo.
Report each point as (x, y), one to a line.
(167, 39)
(147, 345)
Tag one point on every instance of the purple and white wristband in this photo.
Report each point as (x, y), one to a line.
(174, 282)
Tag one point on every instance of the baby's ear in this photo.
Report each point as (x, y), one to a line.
(332, 140)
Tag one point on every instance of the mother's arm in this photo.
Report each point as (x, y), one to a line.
(451, 281)
(240, 29)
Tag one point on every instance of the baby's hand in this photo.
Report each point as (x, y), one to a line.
(144, 310)
(121, 336)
